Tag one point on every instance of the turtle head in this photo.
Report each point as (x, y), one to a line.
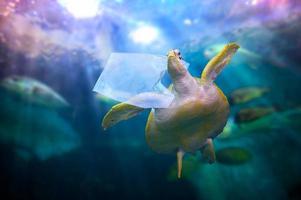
(175, 65)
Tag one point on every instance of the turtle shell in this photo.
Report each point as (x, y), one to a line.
(188, 125)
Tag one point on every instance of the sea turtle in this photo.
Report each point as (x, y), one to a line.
(197, 114)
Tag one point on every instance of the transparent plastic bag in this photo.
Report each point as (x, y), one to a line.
(127, 75)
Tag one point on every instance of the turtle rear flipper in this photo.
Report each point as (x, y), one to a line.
(120, 112)
(217, 63)
(208, 151)
(180, 155)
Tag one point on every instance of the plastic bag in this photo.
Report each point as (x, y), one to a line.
(127, 75)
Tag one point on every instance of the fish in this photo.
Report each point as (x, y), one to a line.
(33, 91)
(266, 124)
(35, 132)
(192, 164)
(246, 94)
(250, 114)
(233, 156)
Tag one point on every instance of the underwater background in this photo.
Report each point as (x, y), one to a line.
(52, 143)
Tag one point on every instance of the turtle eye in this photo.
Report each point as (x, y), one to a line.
(178, 53)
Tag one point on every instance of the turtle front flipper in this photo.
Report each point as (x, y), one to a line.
(208, 151)
(217, 63)
(135, 105)
(120, 112)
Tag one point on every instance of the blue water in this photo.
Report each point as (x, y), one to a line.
(63, 152)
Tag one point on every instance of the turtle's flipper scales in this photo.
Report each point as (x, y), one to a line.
(120, 112)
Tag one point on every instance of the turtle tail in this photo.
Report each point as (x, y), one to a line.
(217, 63)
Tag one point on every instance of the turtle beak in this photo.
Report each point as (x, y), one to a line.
(174, 53)
(175, 65)
(171, 53)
